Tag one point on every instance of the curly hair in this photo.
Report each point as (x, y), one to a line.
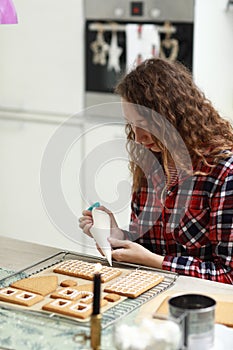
(167, 89)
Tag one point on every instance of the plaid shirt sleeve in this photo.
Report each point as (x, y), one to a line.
(202, 245)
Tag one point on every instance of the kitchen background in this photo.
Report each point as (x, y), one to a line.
(43, 83)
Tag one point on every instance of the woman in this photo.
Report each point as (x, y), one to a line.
(181, 161)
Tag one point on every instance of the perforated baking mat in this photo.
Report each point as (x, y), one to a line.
(111, 313)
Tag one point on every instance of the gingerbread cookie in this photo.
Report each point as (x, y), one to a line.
(134, 283)
(42, 285)
(69, 308)
(86, 297)
(112, 297)
(85, 287)
(67, 293)
(68, 283)
(82, 269)
(20, 297)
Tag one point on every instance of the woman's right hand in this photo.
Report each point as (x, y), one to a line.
(86, 222)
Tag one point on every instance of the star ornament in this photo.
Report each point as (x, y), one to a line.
(100, 49)
(114, 54)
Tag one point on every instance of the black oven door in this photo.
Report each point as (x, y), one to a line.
(98, 78)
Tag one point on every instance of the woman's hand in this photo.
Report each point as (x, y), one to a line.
(132, 252)
(86, 222)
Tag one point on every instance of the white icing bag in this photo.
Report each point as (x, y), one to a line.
(101, 231)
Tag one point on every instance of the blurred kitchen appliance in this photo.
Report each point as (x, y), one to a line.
(106, 25)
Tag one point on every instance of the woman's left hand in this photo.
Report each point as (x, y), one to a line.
(132, 252)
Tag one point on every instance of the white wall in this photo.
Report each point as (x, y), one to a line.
(41, 60)
(213, 53)
(23, 215)
(41, 70)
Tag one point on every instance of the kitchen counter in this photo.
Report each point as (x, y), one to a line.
(16, 255)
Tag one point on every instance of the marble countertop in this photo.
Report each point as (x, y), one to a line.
(16, 255)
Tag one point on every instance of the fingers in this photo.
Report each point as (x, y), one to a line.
(119, 243)
(86, 230)
(87, 213)
(85, 223)
(119, 255)
(122, 249)
(101, 207)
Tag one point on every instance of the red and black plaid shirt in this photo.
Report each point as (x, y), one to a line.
(193, 227)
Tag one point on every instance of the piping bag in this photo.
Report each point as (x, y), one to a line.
(101, 231)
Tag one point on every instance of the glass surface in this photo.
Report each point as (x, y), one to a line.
(36, 330)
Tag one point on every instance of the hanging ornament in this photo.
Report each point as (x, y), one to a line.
(169, 47)
(100, 49)
(139, 59)
(139, 31)
(115, 52)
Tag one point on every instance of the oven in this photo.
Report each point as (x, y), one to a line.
(121, 33)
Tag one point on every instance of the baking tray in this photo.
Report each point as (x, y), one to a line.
(111, 315)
